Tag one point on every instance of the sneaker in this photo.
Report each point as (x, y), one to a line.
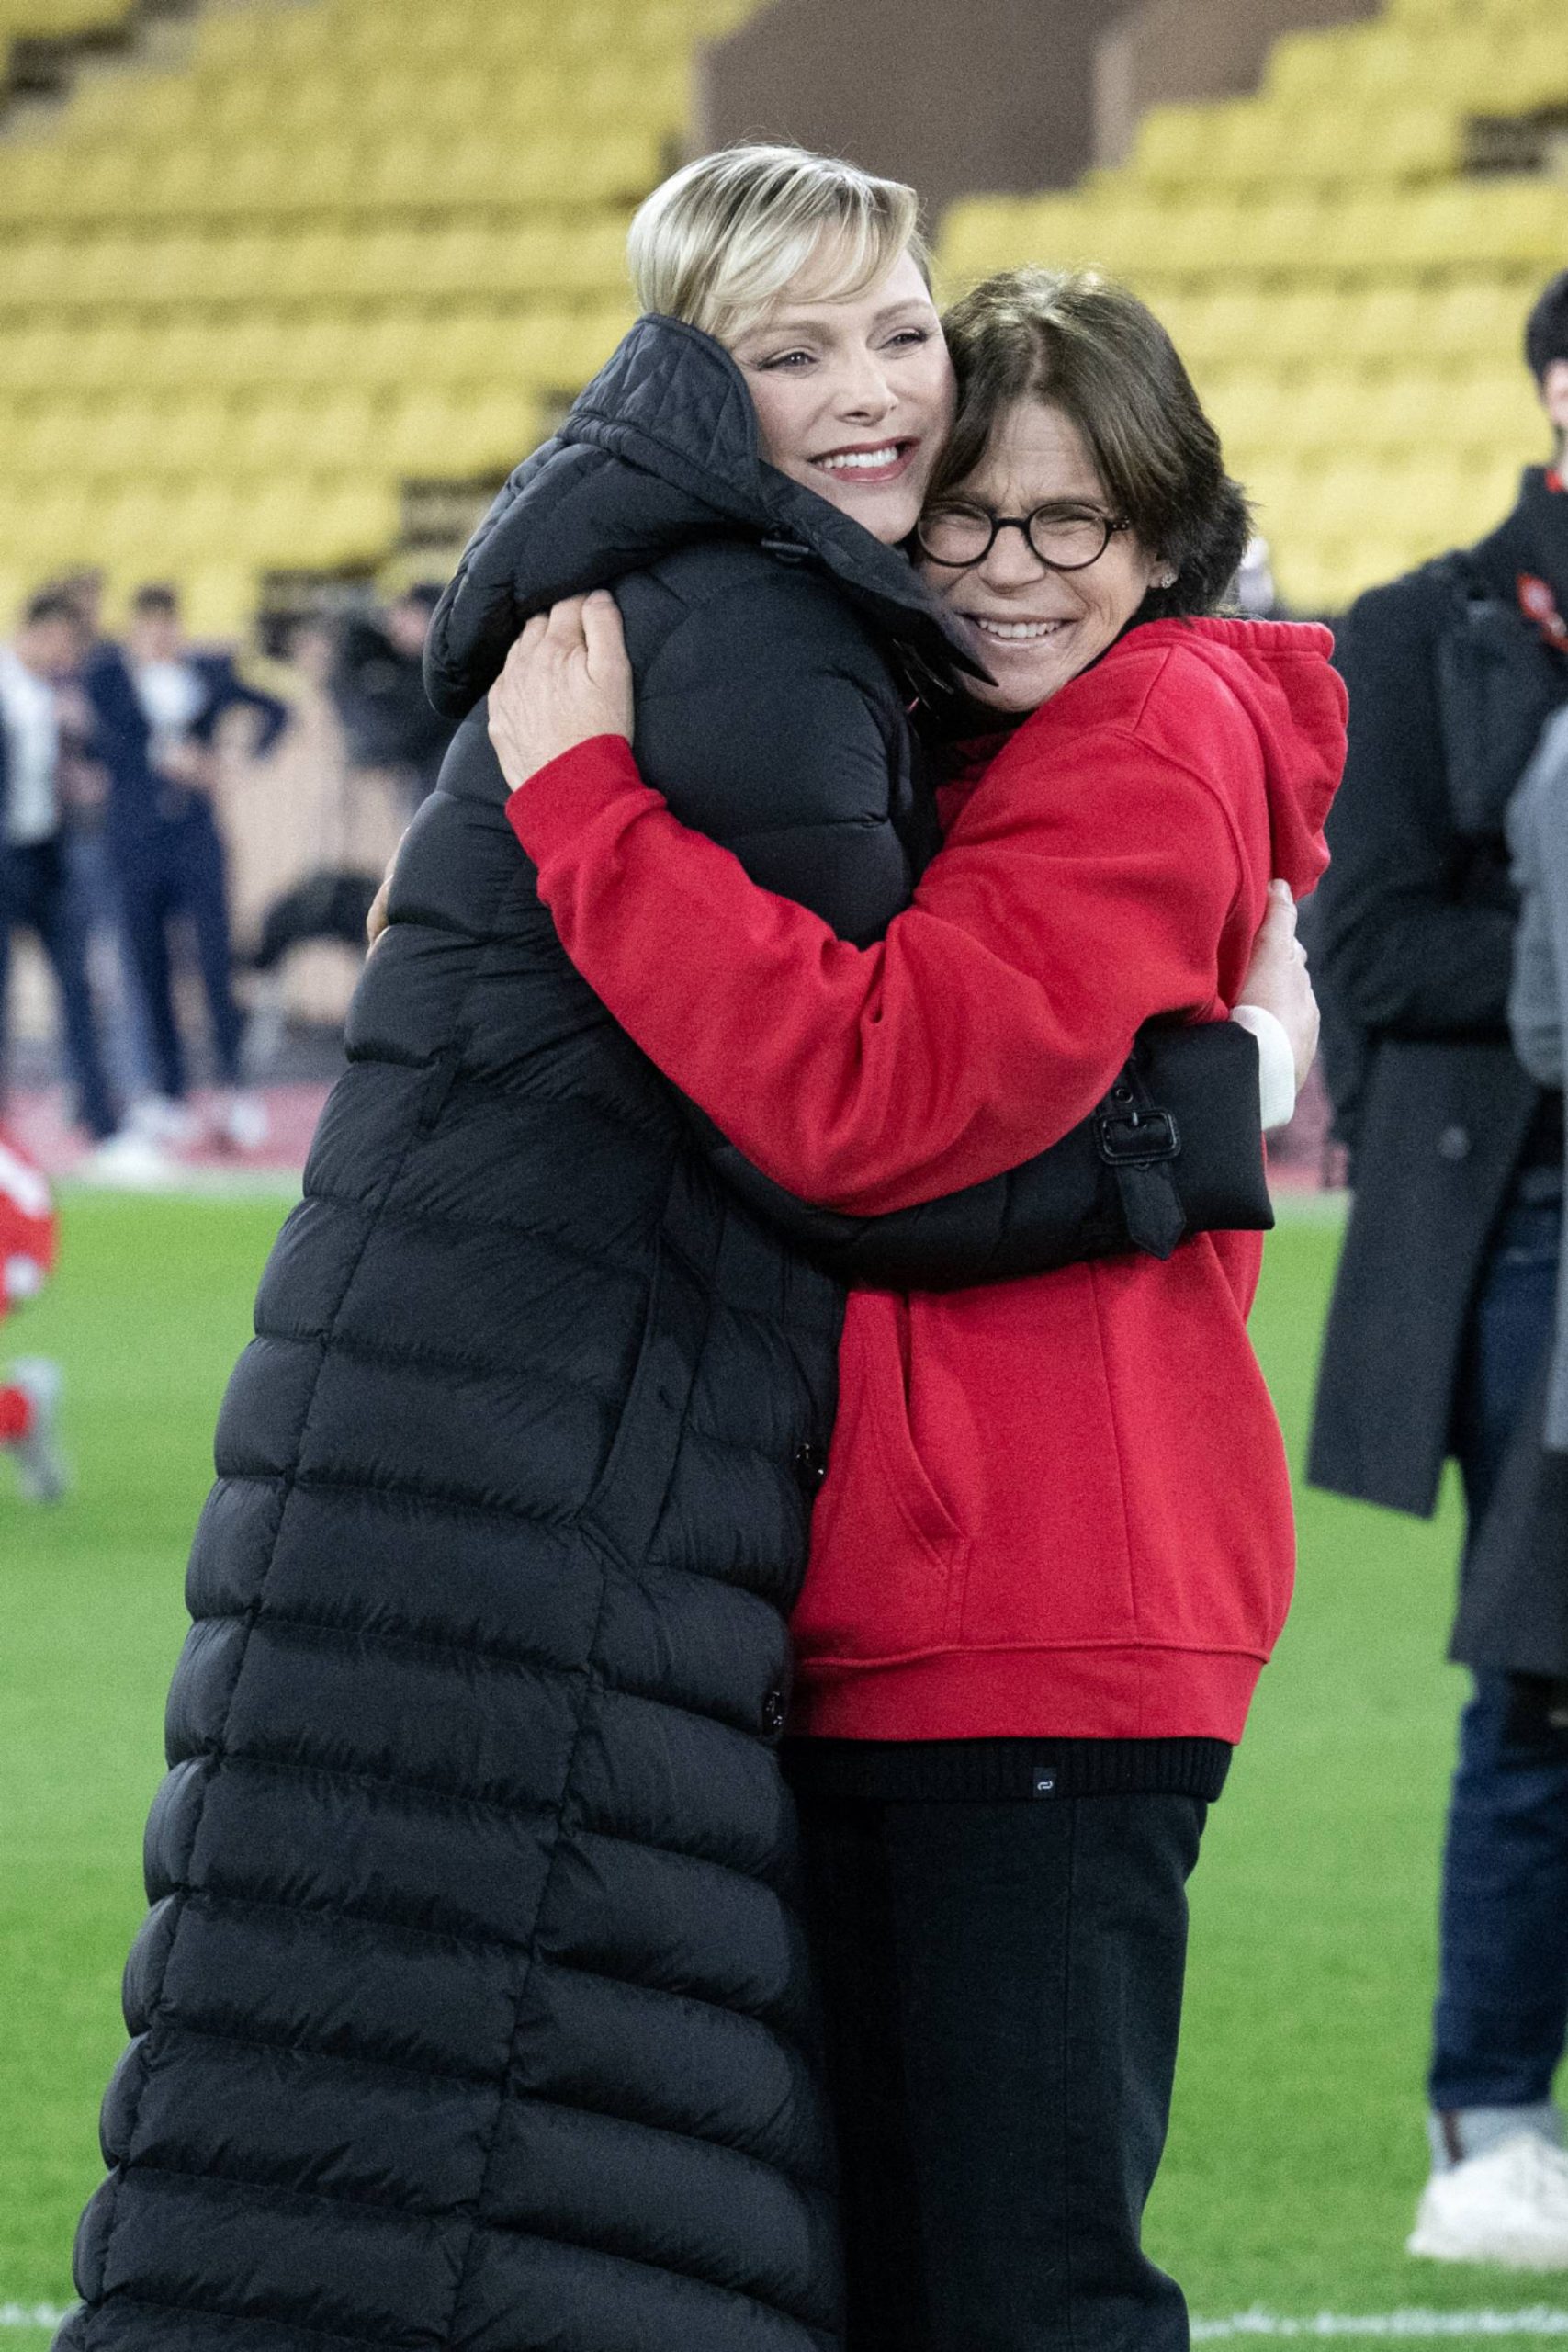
(129, 1158)
(241, 1121)
(40, 1465)
(160, 1119)
(1508, 2206)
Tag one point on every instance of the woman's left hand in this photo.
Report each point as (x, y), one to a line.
(566, 679)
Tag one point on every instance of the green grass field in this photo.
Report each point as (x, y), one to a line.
(1297, 2148)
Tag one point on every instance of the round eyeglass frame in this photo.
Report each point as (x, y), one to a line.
(1109, 524)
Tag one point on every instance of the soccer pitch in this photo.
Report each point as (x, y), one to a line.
(1297, 2147)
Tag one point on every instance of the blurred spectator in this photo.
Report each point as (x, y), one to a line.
(29, 1388)
(37, 887)
(85, 589)
(84, 792)
(1444, 1304)
(159, 703)
(378, 685)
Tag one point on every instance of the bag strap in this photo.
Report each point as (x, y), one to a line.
(1140, 1143)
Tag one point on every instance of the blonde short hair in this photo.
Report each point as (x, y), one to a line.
(717, 243)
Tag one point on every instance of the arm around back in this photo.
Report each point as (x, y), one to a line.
(988, 1022)
(1066, 1205)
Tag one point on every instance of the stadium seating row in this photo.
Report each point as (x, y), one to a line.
(1485, 60)
(1473, 223)
(417, 433)
(424, 423)
(59, 19)
(186, 356)
(290, 520)
(287, 108)
(466, 282)
(330, 34)
(1391, 321)
(578, 259)
(1342, 522)
(263, 179)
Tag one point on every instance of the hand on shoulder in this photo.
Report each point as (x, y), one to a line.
(567, 680)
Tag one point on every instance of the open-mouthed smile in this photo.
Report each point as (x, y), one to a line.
(877, 461)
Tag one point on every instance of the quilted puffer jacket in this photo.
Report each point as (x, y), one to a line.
(472, 2009)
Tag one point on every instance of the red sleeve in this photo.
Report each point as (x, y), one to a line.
(1062, 912)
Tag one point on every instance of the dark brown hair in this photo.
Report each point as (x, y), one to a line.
(1546, 328)
(1077, 339)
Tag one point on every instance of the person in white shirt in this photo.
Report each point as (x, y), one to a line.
(37, 889)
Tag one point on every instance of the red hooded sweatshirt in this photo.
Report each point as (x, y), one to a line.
(1055, 1506)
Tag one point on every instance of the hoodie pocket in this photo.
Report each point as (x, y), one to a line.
(886, 1552)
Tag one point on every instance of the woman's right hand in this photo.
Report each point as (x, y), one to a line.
(567, 680)
(1276, 978)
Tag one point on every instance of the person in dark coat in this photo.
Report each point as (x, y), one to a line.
(472, 2009)
(1444, 1300)
(159, 703)
(377, 685)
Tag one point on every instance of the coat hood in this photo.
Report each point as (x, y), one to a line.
(1281, 675)
(661, 451)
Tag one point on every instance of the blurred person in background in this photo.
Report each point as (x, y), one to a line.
(1444, 1304)
(378, 686)
(84, 793)
(159, 703)
(369, 733)
(29, 1388)
(38, 891)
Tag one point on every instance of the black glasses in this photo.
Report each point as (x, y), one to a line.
(1064, 539)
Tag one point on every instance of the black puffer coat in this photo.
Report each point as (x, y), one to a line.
(472, 2009)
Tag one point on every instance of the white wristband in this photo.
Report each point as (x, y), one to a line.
(1276, 1064)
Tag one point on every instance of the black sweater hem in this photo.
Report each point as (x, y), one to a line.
(998, 1771)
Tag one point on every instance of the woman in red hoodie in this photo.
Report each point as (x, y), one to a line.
(1054, 1545)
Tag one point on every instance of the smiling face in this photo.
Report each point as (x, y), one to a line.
(1040, 627)
(854, 397)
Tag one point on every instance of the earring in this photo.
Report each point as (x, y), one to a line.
(1167, 578)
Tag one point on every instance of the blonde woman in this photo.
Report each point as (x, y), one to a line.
(473, 2008)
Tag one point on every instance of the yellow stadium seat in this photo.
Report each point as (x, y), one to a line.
(1304, 67)
(1478, 317)
(219, 599)
(40, 358)
(1174, 143)
(50, 441)
(51, 526)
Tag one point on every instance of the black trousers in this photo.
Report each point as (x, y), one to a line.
(177, 869)
(38, 892)
(1003, 1995)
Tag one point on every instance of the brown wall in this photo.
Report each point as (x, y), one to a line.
(1170, 50)
(972, 96)
(957, 96)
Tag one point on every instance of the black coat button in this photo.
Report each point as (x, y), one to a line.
(811, 1465)
(1454, 1144)
(774, 1712)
